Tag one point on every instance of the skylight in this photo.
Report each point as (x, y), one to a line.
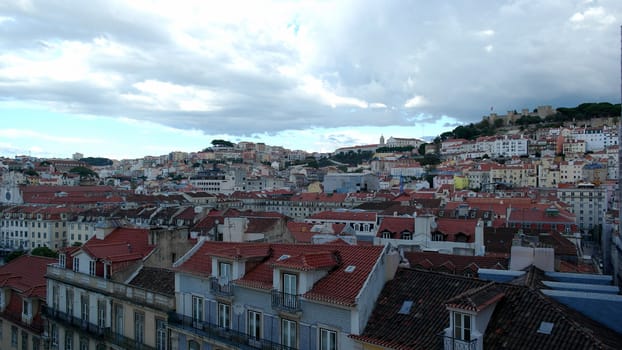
(545, 327)
(283, 257)
(406, 306)
(350, 268)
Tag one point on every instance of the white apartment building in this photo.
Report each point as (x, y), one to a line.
(508, 146)
(587, 202)
(596, 138)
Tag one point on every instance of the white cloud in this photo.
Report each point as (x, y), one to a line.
(159, 95)
(416, 101)
(488, 48)
(485, 33)
(596, 15)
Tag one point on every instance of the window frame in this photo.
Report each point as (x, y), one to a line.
(254, 324)
(330, 342)
(462, 330)
(287, 338)
(198, 308)
(224, 315)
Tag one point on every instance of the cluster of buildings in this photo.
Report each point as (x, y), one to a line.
(511, 242)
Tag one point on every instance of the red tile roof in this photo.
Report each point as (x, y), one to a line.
(309, 261)
(396, 225)
(122, 244)
(26, 274)
(338, 286)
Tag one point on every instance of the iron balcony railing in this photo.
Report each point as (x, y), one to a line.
(104, 334)
(223, 335)
(285, 301)
(220, 287)
(451, 343)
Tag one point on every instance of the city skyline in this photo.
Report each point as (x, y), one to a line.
(124, 80)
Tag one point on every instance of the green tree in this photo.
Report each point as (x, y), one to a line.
(13, 255)
(222, 143)
(44, 251)
(84, 172)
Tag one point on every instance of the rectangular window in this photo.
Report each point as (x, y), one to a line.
(61, 260)
(160, 334)
(14, 336)
(197, 309)
(76, 264)
(54, 337)
(289, 336)
(68, 340)
(84, 307)
(139, 327)
(462, 326)
(24, 340)
(328, 339)
(254, 324)
(26, 308)
(101, 314)
(92, 268)
(224, 272)
(224, 315)
(55, 297)
(118, 319)
(69, 302)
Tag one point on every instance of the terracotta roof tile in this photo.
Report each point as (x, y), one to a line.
(26, 274)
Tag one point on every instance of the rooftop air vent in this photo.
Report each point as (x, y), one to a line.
(350, 268)
(406, 306)
(545, 327)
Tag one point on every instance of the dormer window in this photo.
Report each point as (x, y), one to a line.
(462, 326)
(224, 272)
(92, 268)
(386, 234)
(61, 260)
(76, 264)
(27, 309)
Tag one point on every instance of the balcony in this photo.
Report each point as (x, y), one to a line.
(215, 333)
(93, 330)
(451, 343)
(219, 288)
(285, 301)
(109, 287)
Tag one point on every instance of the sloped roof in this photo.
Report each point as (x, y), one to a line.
(460, 262)
(122, 244)
(26, 274)
(155, 279)
(514, 324)
(338, 286)
(396, 224)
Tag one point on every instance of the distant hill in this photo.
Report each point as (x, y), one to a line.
(584, 111)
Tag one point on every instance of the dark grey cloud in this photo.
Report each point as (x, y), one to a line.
(345, 64)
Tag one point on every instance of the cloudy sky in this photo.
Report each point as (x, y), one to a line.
(124, 79)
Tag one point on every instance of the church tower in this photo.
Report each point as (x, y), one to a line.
(381, 140)
(10, 192)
